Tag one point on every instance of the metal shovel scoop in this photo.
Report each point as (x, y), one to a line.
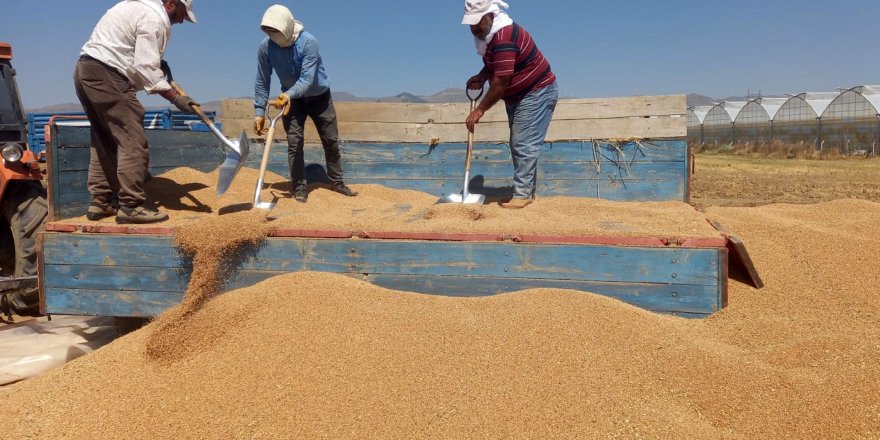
(236, 150)
(270, 139)
(466, 197)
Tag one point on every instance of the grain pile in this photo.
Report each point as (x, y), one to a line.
(379, 208)
(310, 355)
(214, 243)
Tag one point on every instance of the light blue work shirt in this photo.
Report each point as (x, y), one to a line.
(299, 67)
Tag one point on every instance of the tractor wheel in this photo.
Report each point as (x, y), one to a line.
(23, 211)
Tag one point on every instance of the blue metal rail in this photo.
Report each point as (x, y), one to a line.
(153, 120)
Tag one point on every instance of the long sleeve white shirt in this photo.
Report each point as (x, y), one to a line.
(131, 38)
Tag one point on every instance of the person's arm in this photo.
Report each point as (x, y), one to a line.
(497, 88)
(147, 58)
(476, 82)
(308, 72)
(263, 81)
(148, 65)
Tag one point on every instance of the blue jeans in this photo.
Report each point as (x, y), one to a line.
(529, 120)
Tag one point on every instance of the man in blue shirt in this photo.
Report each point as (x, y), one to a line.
(293, 55)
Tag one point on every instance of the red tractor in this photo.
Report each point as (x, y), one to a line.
(23, 206)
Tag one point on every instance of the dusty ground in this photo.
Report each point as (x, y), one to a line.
(728, 180)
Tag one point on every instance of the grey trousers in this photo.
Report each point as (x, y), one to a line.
(120, 155)
(322, 112)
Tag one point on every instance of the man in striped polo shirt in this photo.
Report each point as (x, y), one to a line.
(519, 74)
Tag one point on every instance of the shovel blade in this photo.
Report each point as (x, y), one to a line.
(236, 155)
(259, 204)
(263, 205)
(470, 199)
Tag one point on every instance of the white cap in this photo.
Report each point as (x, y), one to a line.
(190, 16)
(474, 10)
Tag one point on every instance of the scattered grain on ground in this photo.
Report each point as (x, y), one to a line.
(320, 355)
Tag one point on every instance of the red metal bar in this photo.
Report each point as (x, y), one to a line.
(432, 236)
(61, 227)
(126, 229)
(310, 233)
(614, 241)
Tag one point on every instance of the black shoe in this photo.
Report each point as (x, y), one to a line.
(139, 214)
(99, 210)
(300, 194)
(344, 190)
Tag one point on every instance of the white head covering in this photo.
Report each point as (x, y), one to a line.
(475, 10)
(190, 15)
(280, 18)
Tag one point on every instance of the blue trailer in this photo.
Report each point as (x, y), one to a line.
(136, 271)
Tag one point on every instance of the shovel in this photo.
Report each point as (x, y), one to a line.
(236, 150)
(465, 197)
(270, 139)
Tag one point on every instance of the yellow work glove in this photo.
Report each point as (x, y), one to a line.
(282, 101)
(259, 125)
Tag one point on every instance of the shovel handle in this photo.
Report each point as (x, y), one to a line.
(270, 139)
(284, 110)
(264, 163)
(196, 108)
(470, 137)
(467, 91)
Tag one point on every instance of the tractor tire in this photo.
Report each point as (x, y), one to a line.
(24, 211)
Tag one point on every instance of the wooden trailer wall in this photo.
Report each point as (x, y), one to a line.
(137, 271)
(627, 149)
(645, 117)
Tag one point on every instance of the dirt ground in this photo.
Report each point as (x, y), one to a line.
(734, 180)
(729, 180)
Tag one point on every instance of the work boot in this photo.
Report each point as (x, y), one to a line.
(139, 214)
(300, 194)
(99, 209)
(516, 203)
(343, 189)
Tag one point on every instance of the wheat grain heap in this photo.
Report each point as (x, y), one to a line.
(308, 355)
(189, 195)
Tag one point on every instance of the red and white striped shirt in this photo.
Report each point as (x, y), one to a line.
(513, 53)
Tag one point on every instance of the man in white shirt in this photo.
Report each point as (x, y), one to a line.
(124, 56)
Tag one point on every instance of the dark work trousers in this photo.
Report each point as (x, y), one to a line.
(320, 109)
(120, 154)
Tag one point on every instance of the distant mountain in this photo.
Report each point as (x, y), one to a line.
(695, 99)
(67, 107)
(345, 97)
(448, 95)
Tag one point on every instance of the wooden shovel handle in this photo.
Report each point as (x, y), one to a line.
(196, 108)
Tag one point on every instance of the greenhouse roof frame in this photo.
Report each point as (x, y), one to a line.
(733, 108)
(701, 111)
(869, 92)
(818, 102)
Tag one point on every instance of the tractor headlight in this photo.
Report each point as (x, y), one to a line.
(12, 152)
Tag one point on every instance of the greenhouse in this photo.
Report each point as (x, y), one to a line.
(848, 120)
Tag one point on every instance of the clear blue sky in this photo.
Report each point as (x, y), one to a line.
(383, 47)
